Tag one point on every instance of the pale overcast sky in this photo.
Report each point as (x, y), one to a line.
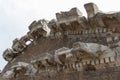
(16, 15)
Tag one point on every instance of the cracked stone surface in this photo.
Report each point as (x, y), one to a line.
(70, 47)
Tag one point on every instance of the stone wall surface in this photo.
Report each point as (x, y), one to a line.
(102, 74)
(70, 47)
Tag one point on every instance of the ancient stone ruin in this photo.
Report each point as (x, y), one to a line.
(70, 47)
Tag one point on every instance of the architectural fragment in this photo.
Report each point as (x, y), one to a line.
(69, 47)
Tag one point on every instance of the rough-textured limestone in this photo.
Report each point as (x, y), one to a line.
(70, 47)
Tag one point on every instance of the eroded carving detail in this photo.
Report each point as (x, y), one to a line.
(20, 68)
(39, 29)
(81, 44)
(9, 54)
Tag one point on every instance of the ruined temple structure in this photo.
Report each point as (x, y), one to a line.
(70, 47)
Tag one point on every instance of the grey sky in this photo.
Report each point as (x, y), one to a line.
(16, 15)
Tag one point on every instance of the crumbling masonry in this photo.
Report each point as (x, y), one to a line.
(70, 47)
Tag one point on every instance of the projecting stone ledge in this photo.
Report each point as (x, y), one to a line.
(70, 47)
